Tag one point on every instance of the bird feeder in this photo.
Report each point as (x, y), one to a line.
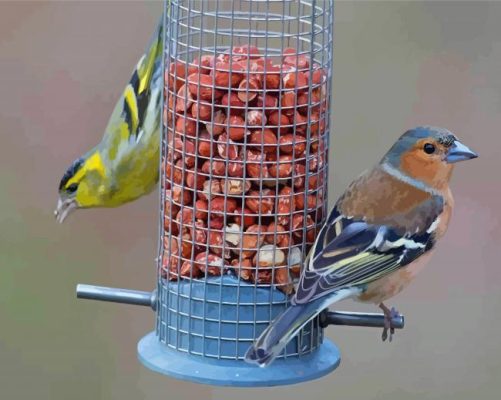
(243, 189)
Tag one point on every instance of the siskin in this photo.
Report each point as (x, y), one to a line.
(124, 165)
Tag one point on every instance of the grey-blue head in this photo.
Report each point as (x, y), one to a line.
(432, 140)
(427, 153)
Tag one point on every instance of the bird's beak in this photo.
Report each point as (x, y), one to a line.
(64, 208)
(459, 152)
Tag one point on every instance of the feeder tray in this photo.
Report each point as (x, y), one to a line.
(228, 372)
(243, 190)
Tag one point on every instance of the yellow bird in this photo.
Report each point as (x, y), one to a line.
(124, 166)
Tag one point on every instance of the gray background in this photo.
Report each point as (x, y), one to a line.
(397, 64)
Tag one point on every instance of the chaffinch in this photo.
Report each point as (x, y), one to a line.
(378, 236)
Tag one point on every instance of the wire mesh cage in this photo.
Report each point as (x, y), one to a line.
(243, 189)
(246, 128)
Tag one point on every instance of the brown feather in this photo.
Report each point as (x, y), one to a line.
(382, 199)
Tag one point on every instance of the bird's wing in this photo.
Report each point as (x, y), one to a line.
(137, 114)
(350, 252)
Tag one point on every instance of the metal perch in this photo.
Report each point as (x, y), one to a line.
(149, 299)
(117, 295)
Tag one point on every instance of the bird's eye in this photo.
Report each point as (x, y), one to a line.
(429, 148)
(72, 188)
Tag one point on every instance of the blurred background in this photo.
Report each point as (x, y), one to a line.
(397, 64)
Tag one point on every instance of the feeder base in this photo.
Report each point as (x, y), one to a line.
(157, 357)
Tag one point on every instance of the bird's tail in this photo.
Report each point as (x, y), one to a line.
(276, 336)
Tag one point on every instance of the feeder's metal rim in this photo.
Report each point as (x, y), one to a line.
(159, 358)
(257, 16)
(270, 52)
(245, 33)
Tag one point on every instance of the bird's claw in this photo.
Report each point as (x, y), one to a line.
(388, 326)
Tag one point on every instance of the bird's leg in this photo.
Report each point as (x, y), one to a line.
(388, 318)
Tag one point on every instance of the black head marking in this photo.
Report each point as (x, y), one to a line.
(412, 136)
(447, 140)
(71, 171)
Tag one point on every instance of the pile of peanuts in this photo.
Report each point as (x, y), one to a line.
(244, 188)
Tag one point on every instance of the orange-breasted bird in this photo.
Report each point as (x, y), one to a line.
(378, 236)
